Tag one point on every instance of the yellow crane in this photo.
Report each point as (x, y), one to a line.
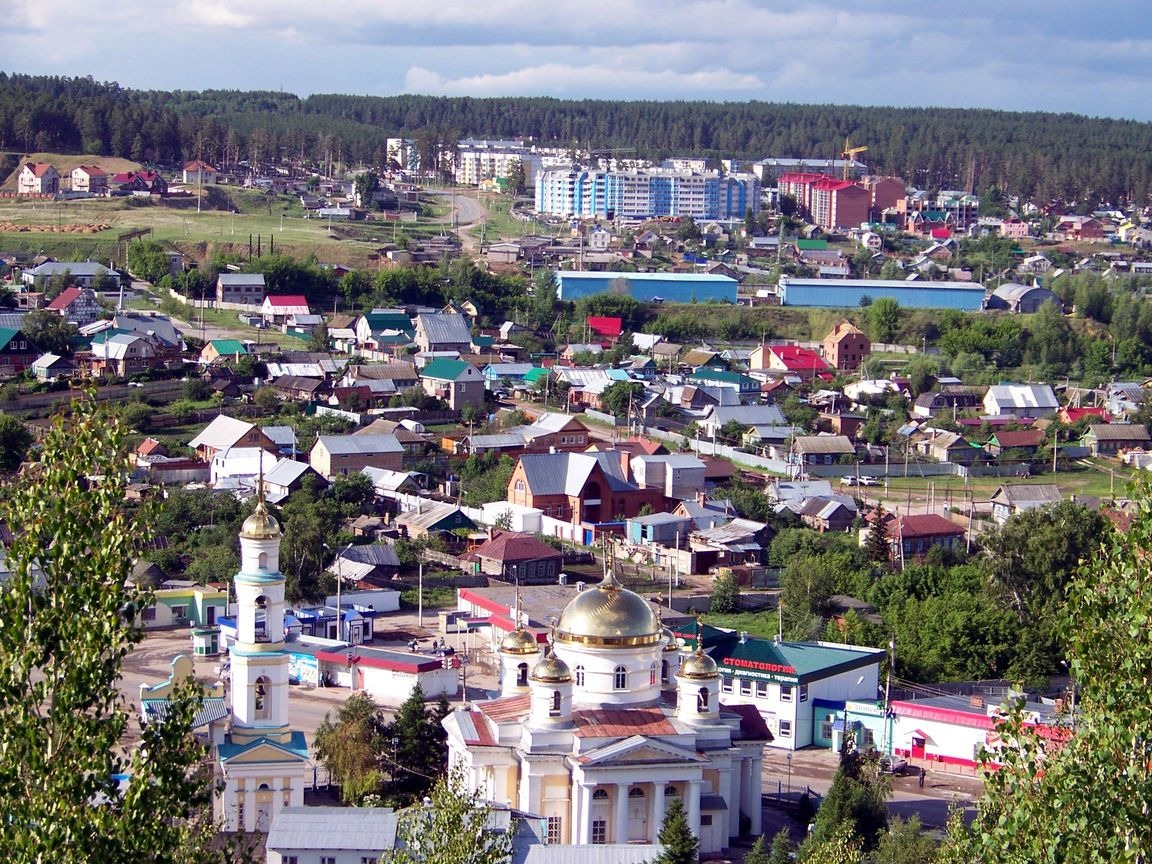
(849, 155)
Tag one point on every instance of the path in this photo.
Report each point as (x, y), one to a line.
(466, 211)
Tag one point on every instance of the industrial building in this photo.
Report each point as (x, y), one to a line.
(853, 293)
(648, 287)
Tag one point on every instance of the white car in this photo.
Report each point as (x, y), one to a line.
(849, 480)
(867, 481)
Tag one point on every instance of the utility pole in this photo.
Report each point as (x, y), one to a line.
(888, 693)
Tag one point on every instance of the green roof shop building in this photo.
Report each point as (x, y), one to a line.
(786, 680)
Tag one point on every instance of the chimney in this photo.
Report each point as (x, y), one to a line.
(701, 498)
(579, 587)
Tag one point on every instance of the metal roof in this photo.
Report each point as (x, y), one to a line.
(286, 472)
(231, 279)
(224, 431)
(446, 328)
(831, 444)
(371, 830)
(347, 445)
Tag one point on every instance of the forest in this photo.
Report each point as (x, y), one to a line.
(1038, 155)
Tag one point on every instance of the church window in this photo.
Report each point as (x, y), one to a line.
(600, 795)
(522, 675)
(702, 700)
(635, 792)
(263, 712)
(554, 711)
(664, 671)
(599, 831)
(262, 563)
(579, 676)
(620, 681)
(652, 674)
(671, 792)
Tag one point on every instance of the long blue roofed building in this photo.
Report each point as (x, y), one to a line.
(648, 287)
(848, 293)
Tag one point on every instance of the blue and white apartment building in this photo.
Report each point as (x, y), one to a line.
(645, 194)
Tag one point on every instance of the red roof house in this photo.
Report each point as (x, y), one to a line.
(608, 328)
(802, 362)
(912, 537)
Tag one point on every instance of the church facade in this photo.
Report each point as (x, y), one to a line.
(262, 761)
(597, 732)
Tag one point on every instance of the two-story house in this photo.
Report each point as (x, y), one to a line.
(456, 382)
(91, 179)
(77, 305)
(38, 178)
(247, 288)
(846, 347)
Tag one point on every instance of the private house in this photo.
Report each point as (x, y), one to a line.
(224, 433)
(85, 274)
(1078, 229)
(443, 331)
(90, 179)
(333, 455)
(245, 288)
(401, 376)
(719, 416)
(745, 388)
(822, 449)
(433, 519)
(16, 352)
(943, 446)
(846, 347)
(951, 397)
(277, 309)
(519, 558)
(804, 363)
(297, 388)
(824, 514)
(581, 488)
(51, 367)
(382, 333)
(366, 566)
(1020, 400)
(38, 178)
(331, 835)
(1007, 501)
(679, 477)
(221, 350)
(1108, 439)
(1024, 443)
(181, 604)
(138, 183)
(288, 476)
(607, 328)
(913, 537)
(197, 173)
(1069, 415)
(76, 305)
(731, 544)
(454, 381)
(665, 529)
(124, 354)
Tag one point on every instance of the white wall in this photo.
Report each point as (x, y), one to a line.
(388, 687)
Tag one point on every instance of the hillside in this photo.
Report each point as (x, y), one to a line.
(64, 164)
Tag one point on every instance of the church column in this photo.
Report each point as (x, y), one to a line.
(746, 803)
(755, 784)
(657, 812)
(582, 815)
(694, 805)
(250, 807)
(729, 786)
(621, 821)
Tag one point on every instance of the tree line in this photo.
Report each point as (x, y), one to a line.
(1039, 155)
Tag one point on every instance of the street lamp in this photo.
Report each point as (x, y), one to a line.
(788, 756)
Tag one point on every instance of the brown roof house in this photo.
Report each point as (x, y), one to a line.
(1106, 439)
(518, 557)
(846, 347)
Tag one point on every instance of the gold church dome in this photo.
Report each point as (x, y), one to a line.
(608, 616)
(551, 670)
(699, 667)
(519, 641)
(260, 525)
(671, 642)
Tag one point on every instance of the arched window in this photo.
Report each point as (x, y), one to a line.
(652, 674)
(664, 671)
(635, 792)
(261, 618)
(620, 679)
(522, 675)
(263, 710)
(262, 561)
(702, 700)
(554, 711)
(579, 676)
(600, 795)
(671, 792)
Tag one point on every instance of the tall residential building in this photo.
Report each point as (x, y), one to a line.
(403, 152)
(645, 194)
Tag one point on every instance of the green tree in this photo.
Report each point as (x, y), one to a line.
(15, 439)
(349, 748)
(63, 716)
(856, 800)
(725, 593)
(1082, 793)
(318, 339)
(49, 331)
(365, 186)
(782, 848)
(905, 843)
(680, 844)
(622, 398)
(877, 546)
(884, 319)
(421, 752)
(453, 828)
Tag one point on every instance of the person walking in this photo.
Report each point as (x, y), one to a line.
(922, 775)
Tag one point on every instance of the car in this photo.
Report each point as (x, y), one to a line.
(849, 480)
(867, 481)
(893, 765)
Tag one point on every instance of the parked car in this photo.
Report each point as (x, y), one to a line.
(893, 765)
(866, 481)
(849, 480)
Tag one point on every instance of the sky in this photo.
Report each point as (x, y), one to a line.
(1049, 55)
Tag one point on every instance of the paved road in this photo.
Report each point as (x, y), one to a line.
(466, 210)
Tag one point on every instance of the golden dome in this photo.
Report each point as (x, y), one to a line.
(609, 615)
(699, 667)
(519, 641)
(551, 670)
(672, 643)
(260, 525)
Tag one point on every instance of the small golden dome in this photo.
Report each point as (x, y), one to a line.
(260, 525)
(608, 615)
(671, 643)
(699, 667)
(551, 670)
(519, 641)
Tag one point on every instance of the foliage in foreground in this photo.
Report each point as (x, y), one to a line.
(70, 790)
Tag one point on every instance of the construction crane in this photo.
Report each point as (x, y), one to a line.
(849, 155)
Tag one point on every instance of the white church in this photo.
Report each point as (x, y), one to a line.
(598, 731)
(262, 762)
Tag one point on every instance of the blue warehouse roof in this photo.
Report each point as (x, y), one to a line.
(672, 287)
(847, 293)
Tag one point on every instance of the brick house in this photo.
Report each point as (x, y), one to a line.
(846, 347)
(579, 487)
(456, 382)
(913, 537)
